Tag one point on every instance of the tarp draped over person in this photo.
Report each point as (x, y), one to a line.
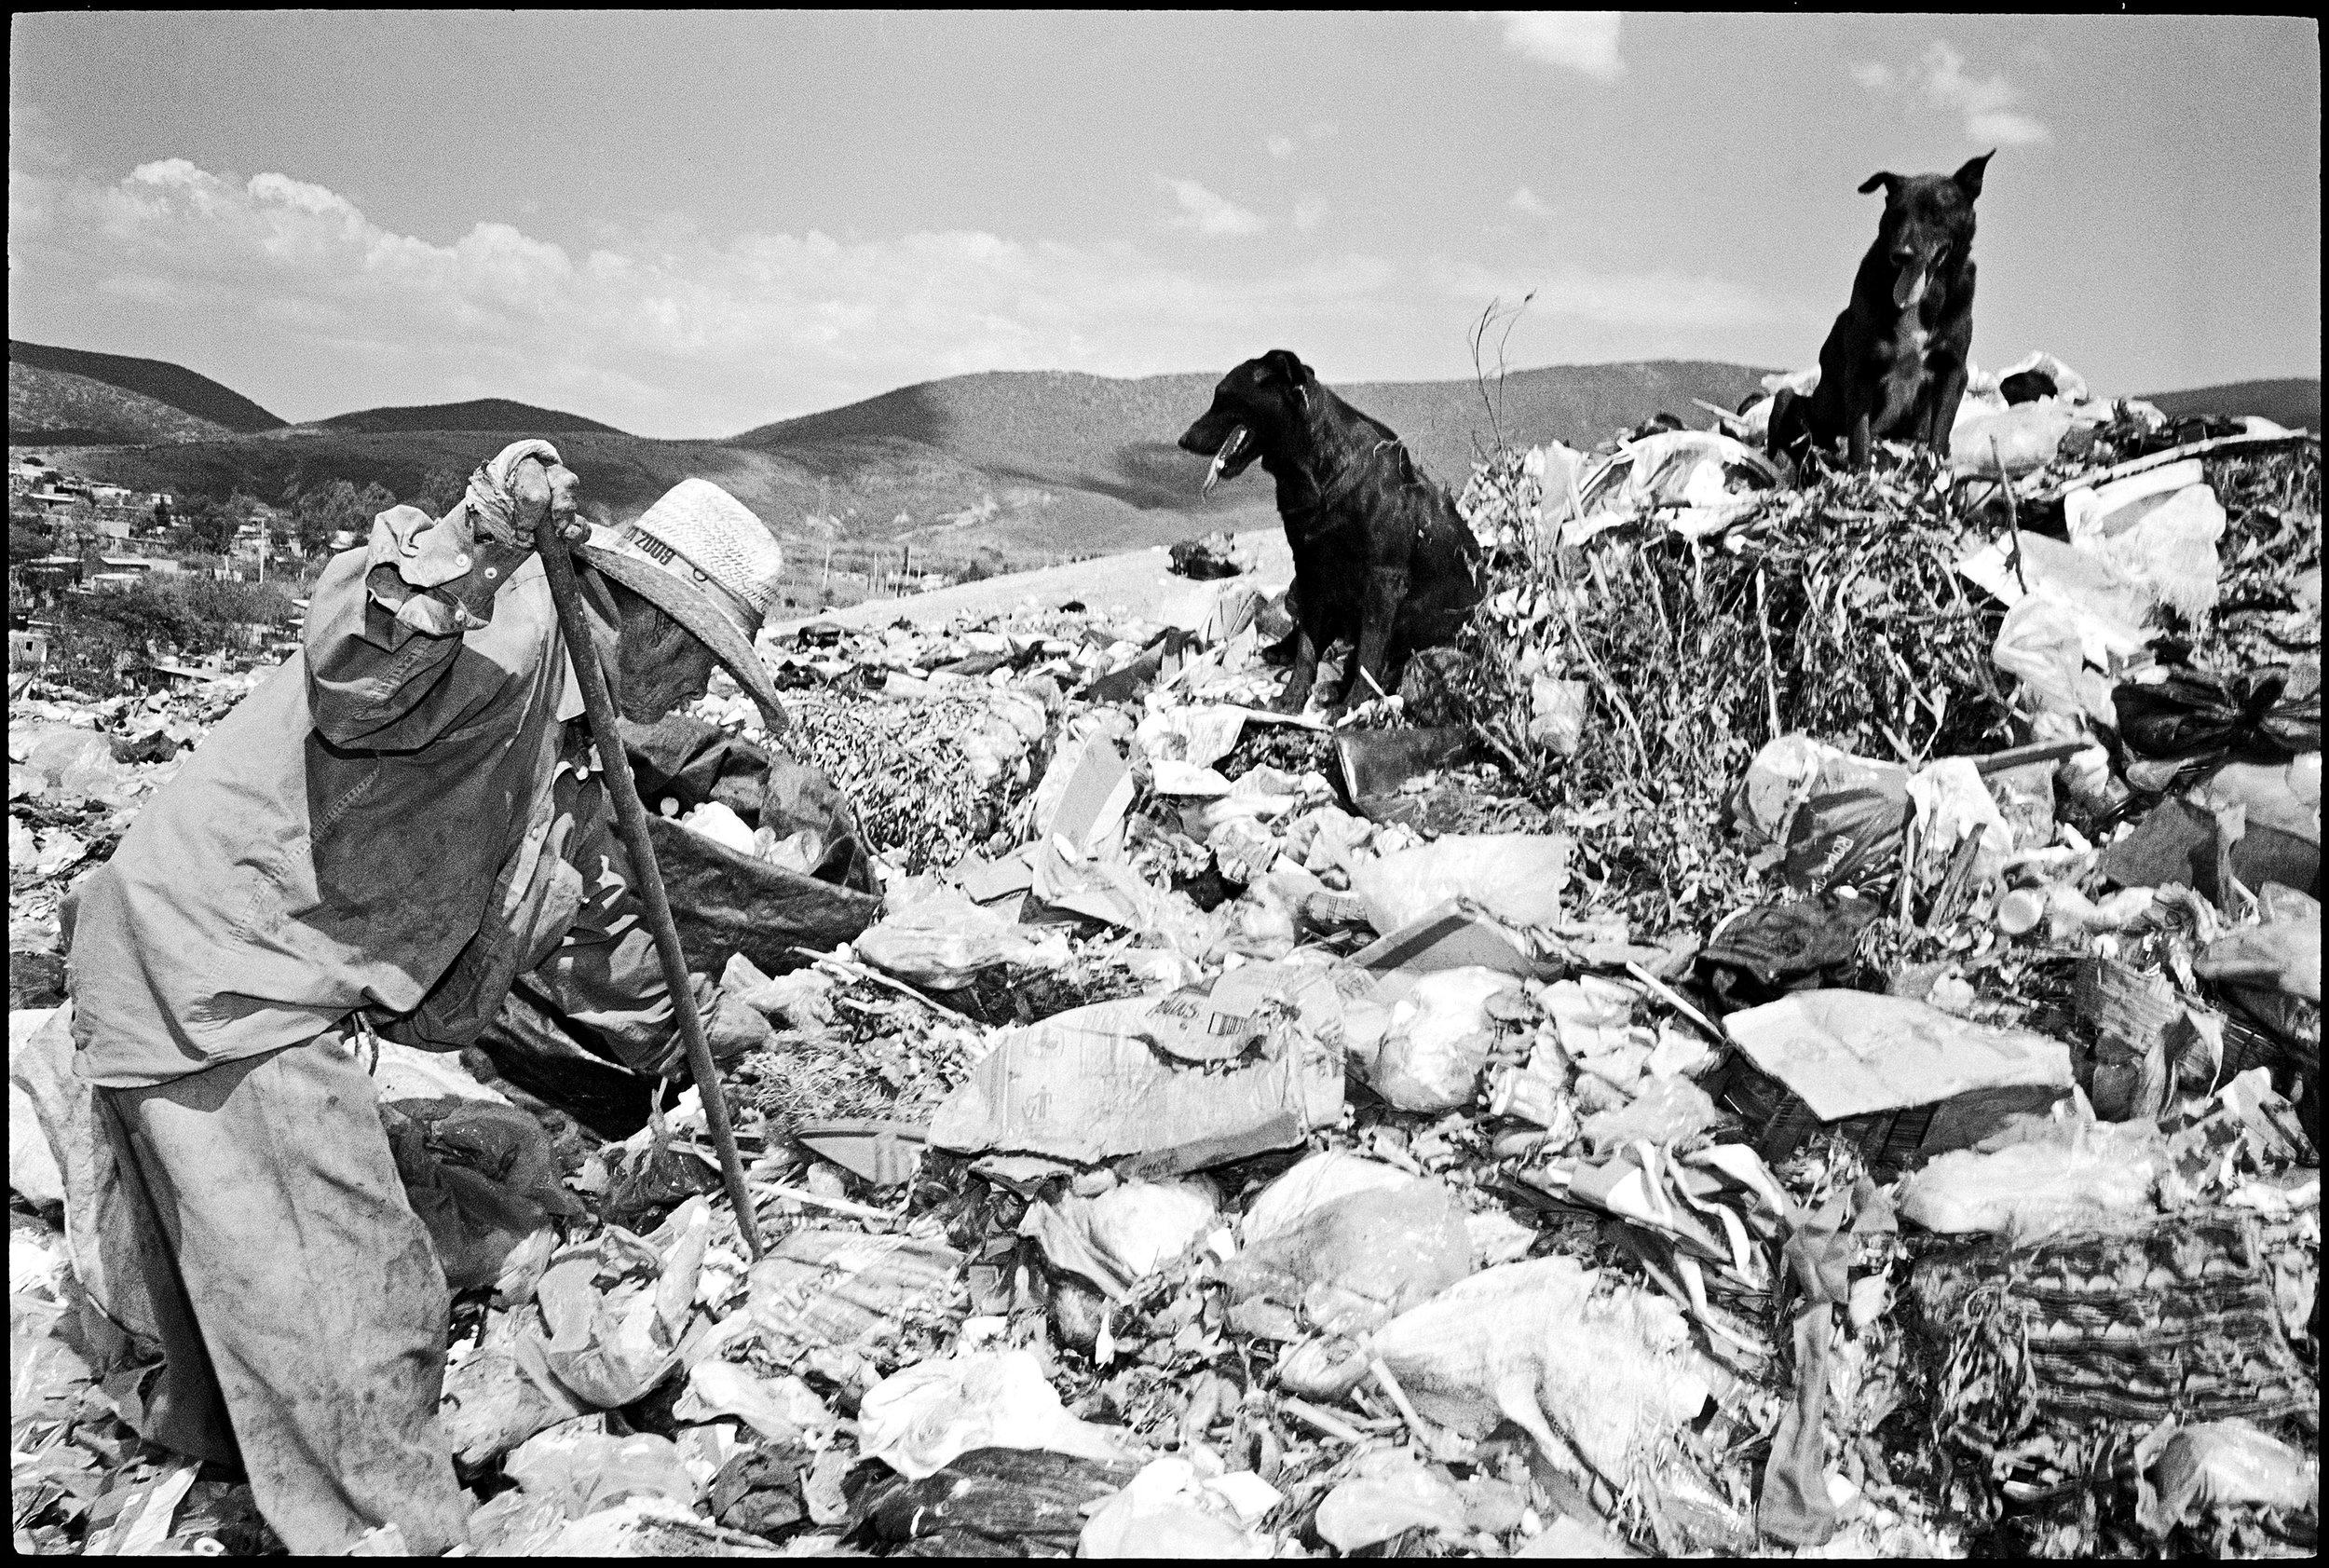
(402, 824)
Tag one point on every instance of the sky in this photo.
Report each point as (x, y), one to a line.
(687, 224)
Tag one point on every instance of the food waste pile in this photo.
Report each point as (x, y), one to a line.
(1802, 1035)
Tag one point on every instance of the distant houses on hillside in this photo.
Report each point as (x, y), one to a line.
(113, 511)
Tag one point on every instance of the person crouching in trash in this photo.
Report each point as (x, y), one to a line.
(389, 831)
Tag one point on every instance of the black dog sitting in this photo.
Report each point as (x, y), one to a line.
(1380, 555)
(1893, 367)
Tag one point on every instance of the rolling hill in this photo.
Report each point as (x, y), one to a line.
(2295, 401)
(60, 409)
(1116, 437)
(174, 385)
(481, 414)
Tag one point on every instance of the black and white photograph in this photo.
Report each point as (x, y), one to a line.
(1132, 784)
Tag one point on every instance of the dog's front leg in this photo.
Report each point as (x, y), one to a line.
(1947, 391)
(1861, 442)
(1304, 674)
(1378, 619)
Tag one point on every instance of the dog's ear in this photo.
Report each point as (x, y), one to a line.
(1969, 177)
(1284, 362)
(1888, 181)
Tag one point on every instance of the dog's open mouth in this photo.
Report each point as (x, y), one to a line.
(1908, 284)
(1231, 461)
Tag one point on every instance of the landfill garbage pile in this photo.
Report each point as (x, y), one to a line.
(1822, 1056)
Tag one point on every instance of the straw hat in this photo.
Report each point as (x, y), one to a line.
(707, 538)
(703, 558)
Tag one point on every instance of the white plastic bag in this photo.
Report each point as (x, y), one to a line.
(1146, 1224)
(1440, 1040)
(918, 1418)
(933, 936)
(1167, 1511)
(2078, 1172)
(1312, 1185)
(1515, 877)
(1602, 1375)
(1952, 801)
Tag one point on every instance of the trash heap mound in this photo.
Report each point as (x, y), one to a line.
(1802, 1035)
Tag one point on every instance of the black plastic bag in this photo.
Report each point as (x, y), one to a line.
(2190, 714)
(1780, 948)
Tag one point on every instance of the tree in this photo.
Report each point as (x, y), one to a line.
(210, 527)
(26, 540)
(441, 490)
(332, 509)
(376, 499)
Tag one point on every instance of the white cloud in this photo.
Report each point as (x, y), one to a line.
(1939, 75)
(1309, 212)
(1524, 202)
(2007, 127)
(1205, 212)
(661, 328)
(1581, 41)
(1280, 146)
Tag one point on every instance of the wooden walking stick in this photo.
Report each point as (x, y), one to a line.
(631, 820)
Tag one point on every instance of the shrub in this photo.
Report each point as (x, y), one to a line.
(169, 617)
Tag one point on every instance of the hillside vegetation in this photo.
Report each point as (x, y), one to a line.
(163, 382)
(59, 408)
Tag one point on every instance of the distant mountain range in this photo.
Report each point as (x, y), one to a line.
(1031, 462)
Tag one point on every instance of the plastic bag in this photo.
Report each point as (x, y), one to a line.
(611, 1346)
(1515, 877)
(1143, 1225)
(2074, 1172)
(2190, 714)
(1311, 1186)
(1952, 799)
(933, 936)
(2172, 550)
(581, 1469)
(33, 1169)
(2182, 1472)
(2021, 439)
(1440, 1040)
(2282, 954)
(1369, 1508)
(1362, 1257)
(1557, 713)
(1090, 1085)
(783, 1409)
(1604, 1375)
(1166, 1511)
(2042, 641)
(1838, 814)
(918, 1419)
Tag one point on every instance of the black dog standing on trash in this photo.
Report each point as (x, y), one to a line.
(1379, 556)
(1893, 367)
